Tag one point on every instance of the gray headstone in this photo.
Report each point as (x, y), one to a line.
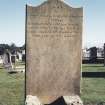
(53, 50)
(93, 54)
(7, 61)
(13, 59)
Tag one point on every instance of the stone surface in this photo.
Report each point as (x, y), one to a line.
(53, 50)
(32, 100)
(73, 100)
(93, 54)
(7, 61)
(65, 100)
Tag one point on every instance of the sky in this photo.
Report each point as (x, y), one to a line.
(12, 20)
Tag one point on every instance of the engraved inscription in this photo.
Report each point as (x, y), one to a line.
(57, 27)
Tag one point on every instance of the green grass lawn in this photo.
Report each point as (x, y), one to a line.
(93, 68)
(12, 87)
(93, 89)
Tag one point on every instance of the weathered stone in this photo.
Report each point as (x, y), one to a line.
(7, 61)
(73, 100)
(53, 50)
(32, 100)
(66, 100)
(93, 54)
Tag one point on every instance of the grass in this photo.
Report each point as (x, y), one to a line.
(11, 88)
(93, 68)
(93, 89)
(20, 63)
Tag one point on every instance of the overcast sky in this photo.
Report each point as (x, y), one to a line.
(12, 20)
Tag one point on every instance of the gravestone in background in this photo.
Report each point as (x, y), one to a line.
(53, 50)
(23, 57)
(93, 54)
(13, 59)
(7, 60)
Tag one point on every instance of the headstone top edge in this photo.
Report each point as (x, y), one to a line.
(46, 1)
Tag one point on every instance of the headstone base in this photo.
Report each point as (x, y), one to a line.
(73, 100)
(32, 100)
(67, 100)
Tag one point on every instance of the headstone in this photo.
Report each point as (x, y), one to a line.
(13, 59)
(19, 56)
(7, 60)
(53, 50)
(1, 59)
(23, 57)
(93, 54)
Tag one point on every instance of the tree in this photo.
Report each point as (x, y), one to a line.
(3, 47)
(13, 48)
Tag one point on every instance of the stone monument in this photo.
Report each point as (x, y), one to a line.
(53, 51)
(7, 61)
(93, 54)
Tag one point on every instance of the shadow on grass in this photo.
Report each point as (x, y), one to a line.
(93, 74)
(101, 103)
(59, 101)
(12, 72)
(93, 66)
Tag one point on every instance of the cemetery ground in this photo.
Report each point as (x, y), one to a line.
(12, 87)
(93, 89)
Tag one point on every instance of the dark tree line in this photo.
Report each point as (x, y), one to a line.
(12, 48)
